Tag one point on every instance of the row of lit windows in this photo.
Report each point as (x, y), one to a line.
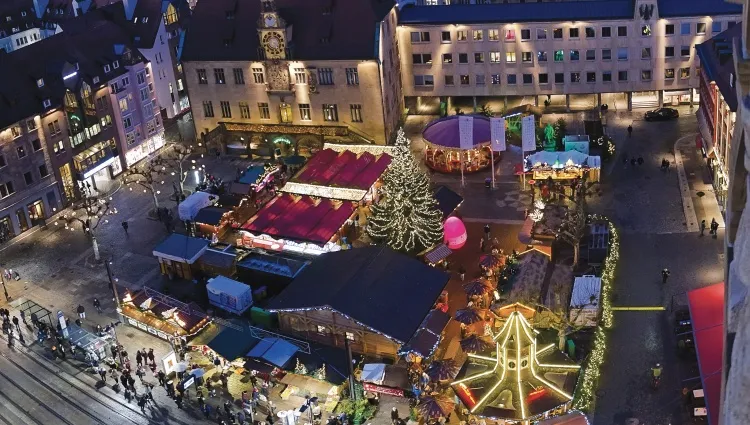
(544, 78)
(330, 111)
(541, 56)
(574, 33)
(324, 76)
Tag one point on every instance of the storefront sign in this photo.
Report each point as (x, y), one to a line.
(398, 392)
(145, 149)
(190, 381)
(169, 362)
(559, 174)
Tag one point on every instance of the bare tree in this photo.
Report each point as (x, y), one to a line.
(149, 176)
(178, 162)
(89, 212)
(574, 320)
(574, 226)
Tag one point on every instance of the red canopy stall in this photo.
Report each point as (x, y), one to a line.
(707, 315)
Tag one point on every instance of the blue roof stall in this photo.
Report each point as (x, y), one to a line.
(181, 248)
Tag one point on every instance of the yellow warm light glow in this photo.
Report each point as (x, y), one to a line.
(545, 349)
(521, 400)
(475, 356)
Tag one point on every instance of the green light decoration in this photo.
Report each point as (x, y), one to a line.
(406, 218)
(589, 379)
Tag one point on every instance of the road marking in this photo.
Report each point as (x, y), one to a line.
(655, 308)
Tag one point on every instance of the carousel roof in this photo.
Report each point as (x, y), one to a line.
(517, 380)
(444, 132)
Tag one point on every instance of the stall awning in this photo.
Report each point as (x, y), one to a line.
(273, 350)
(210, 215)
(707, 314)
(440, 252)
(181, 248)
(447, 200)
(426, 339)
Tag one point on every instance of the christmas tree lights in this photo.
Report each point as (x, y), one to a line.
(406, 218)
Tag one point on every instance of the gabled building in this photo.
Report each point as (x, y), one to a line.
(268, 76)
(718, 105)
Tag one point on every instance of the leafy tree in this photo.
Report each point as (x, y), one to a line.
(406, 218)
(89, 212)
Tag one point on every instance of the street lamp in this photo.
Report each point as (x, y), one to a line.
(107, 265)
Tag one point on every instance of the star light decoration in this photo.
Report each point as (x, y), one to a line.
(514, 377)
(536, 216)
(590, 377)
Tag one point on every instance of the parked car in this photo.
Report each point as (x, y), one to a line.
(661, 114)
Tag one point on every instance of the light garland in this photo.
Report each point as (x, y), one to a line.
(359, 149)
(590, 378)
(517, 326)
(536, 216)
(287, 129)
(342, 193)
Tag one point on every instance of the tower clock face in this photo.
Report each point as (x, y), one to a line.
(270, 19)
(273, 42)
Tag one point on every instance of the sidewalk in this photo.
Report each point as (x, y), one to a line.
(700, 190)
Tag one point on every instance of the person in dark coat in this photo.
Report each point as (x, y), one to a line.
(139, 358)
(394, 415)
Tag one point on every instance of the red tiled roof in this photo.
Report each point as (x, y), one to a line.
(329, 168)
(372, 173)
(301, 220)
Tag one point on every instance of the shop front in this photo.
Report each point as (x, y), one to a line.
(142, 311)
(148, 147)
(92, 165)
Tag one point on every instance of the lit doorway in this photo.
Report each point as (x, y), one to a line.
(36, 212)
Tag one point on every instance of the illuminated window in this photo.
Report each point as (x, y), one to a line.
(685, 73)
(493, 35)
(330, 112)
(478, 35)
(350, 336)
(510, 35)
(461, 35)
(646, 30)
(510, 57)
(669, 74)
(495, 57)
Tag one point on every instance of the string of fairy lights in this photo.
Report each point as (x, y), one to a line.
(589, 379)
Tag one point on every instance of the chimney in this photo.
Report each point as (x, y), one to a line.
(40, 6)
(129, 8)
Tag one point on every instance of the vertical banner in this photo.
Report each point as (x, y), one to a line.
(528, 134)
(466, 132)
(497, 134)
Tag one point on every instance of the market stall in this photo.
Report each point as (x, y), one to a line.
(443, 151)
(212, 222)
(190, 206)
(316, 207)
(386, 379)
(143, 312)
(567, 165)
(177, 253)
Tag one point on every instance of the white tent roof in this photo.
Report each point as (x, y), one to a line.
(584, 288)
(373, 372)
(189, 208)
(221, 284)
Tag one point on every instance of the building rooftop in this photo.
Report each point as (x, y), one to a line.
(716, 62)
(50, 59)
(226, 30)
(375, 286)
(591, 10)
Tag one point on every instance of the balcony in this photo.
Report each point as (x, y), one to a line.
(94, 159)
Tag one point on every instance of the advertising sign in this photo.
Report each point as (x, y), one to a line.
(466, 132)
(497, 134)
(169, 362)
(528, 134)
(398, 392)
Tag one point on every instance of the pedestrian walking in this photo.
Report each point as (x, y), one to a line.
(140, 372)
(227, 407)
(142, 403)
(131, 384)
(207, 411)
(23, 317)
(103, 374)
(462, 272)
(703, 226)
(81, 312)
(139, 359)
(487, 231)
(640, 161)
(632, 162)
(664, 275)
(149, 389)
(15, 323)
(178, 401)
(161, 376)
(630, 130)
(98, 305)
(150, 355)
(125, 227)
(481, 245)
(714, 227)
(394, 415)
(128, 395)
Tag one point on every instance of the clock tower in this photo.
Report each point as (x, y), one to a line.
(272, 31)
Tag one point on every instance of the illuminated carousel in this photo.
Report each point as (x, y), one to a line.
(443, 151)
(517, 381)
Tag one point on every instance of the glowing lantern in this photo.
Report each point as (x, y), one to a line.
(455, 233)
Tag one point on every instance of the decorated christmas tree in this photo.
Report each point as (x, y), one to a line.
(406, 217)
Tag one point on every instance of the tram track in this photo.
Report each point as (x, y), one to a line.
(82, 387)
(16, 406)
(38, 401)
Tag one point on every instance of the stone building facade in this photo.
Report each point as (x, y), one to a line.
(281, 85)
(623, 53)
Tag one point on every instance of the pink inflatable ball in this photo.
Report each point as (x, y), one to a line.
(455, 233)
